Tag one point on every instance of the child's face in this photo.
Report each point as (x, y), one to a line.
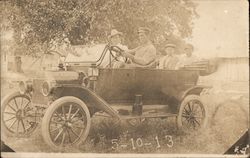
(169, 50)
(188, 52)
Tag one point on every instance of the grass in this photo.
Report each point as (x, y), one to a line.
(103, 130)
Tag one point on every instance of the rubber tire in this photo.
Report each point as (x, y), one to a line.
(50, 110)
(5, 132)
(183, 103)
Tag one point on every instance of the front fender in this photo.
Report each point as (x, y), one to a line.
(90, 98)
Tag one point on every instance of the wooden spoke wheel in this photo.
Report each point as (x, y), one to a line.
(66, 123)
(192, 114)
(17, 118)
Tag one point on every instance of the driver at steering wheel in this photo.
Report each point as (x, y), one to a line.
(116, 40)
(145, 54)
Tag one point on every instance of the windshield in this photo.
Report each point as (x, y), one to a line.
(85, 53)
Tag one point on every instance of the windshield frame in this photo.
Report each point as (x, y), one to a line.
(97, 62)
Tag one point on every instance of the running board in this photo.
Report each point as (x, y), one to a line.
(157, 115)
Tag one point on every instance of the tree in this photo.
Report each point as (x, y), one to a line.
(38, 23)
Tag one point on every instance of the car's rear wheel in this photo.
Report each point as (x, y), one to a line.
(192, 114)
(17, 115)
(66, 123)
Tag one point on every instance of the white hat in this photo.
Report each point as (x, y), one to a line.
(143, 30)
(170, 45)
(115, 32)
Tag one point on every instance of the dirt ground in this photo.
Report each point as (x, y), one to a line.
(225, 127)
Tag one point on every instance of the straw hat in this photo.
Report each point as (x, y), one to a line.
(115, 32)
(170, 45)
(143, 30)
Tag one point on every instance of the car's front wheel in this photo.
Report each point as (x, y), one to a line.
(66, 123)
(17, 115)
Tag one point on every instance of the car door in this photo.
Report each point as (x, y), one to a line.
(116, 85)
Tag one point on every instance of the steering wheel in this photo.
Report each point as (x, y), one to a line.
(117, 53)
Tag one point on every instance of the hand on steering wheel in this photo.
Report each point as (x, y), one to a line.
(118, 53)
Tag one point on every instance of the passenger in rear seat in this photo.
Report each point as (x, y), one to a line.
(170, 60)
(188, 58)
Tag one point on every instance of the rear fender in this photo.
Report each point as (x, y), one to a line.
(196, 90)
(90, 98)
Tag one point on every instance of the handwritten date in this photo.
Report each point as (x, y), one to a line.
(139, 142)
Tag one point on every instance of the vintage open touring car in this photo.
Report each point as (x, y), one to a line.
(67, 98)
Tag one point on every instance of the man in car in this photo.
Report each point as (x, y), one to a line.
(115, 38)
(170, 60)
(145, 54)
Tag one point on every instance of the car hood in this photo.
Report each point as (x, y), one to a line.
(52, 75)
(61, 75)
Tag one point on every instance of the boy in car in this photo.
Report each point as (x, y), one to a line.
(170, 60)
(189, 58)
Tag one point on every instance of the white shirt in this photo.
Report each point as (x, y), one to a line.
(185, 60)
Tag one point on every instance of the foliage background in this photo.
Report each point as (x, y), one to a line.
(40, 24)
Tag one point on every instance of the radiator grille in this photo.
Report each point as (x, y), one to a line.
(37, 97)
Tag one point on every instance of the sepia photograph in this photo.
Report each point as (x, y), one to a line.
(124, 78)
